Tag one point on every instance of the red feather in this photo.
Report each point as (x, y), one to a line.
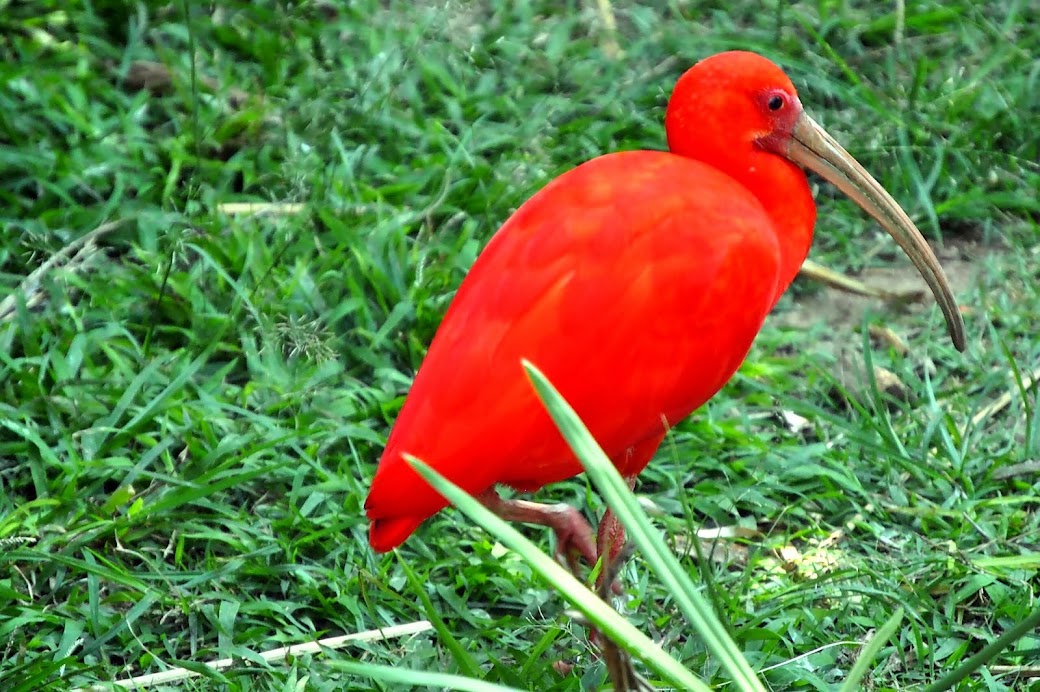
(628, 285)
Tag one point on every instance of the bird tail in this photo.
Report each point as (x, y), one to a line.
(388, 533)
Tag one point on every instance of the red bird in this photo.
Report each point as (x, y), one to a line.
(636, 282)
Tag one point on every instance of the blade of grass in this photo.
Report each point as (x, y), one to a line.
(421, 678)
(599, 614)
(870, 651)
(988, 653)
(458, 651)
(615, 493)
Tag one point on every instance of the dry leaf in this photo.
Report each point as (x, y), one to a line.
(793, 422)
(852, 374)
(809, 565)
(257, 208)
(148, 75)
(1026, 468)
(888, 337)
(716, 544)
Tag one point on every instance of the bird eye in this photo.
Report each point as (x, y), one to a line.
(775, 103)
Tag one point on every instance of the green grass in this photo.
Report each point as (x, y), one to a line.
(191, 408)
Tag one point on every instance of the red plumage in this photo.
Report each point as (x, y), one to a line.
(636, 282)
(636, 298)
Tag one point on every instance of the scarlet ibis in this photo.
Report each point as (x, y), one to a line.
(636, 282)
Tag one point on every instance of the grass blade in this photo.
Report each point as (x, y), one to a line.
(615, 493)
(987, 654)
(601, 615)
(462, 657)
(403, 676)
(870, 651)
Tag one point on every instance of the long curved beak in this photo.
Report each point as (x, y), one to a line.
(811, 147)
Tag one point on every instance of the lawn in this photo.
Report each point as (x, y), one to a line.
(229, 232)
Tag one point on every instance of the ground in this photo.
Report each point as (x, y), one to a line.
(193, 395)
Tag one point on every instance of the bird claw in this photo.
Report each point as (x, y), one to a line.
(575, 540)
(574, 537)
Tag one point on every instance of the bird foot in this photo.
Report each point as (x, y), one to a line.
(574, 535)
(575, 539)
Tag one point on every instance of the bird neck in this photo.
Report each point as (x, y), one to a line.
(784, 192)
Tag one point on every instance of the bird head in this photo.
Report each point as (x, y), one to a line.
(731, 109)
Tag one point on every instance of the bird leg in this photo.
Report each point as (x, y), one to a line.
(574, 539)
(623, 675)
(613, 549)
(574, 536)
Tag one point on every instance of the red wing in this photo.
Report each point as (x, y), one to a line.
(616, 280)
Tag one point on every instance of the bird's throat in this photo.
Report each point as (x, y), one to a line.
(783, 190)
